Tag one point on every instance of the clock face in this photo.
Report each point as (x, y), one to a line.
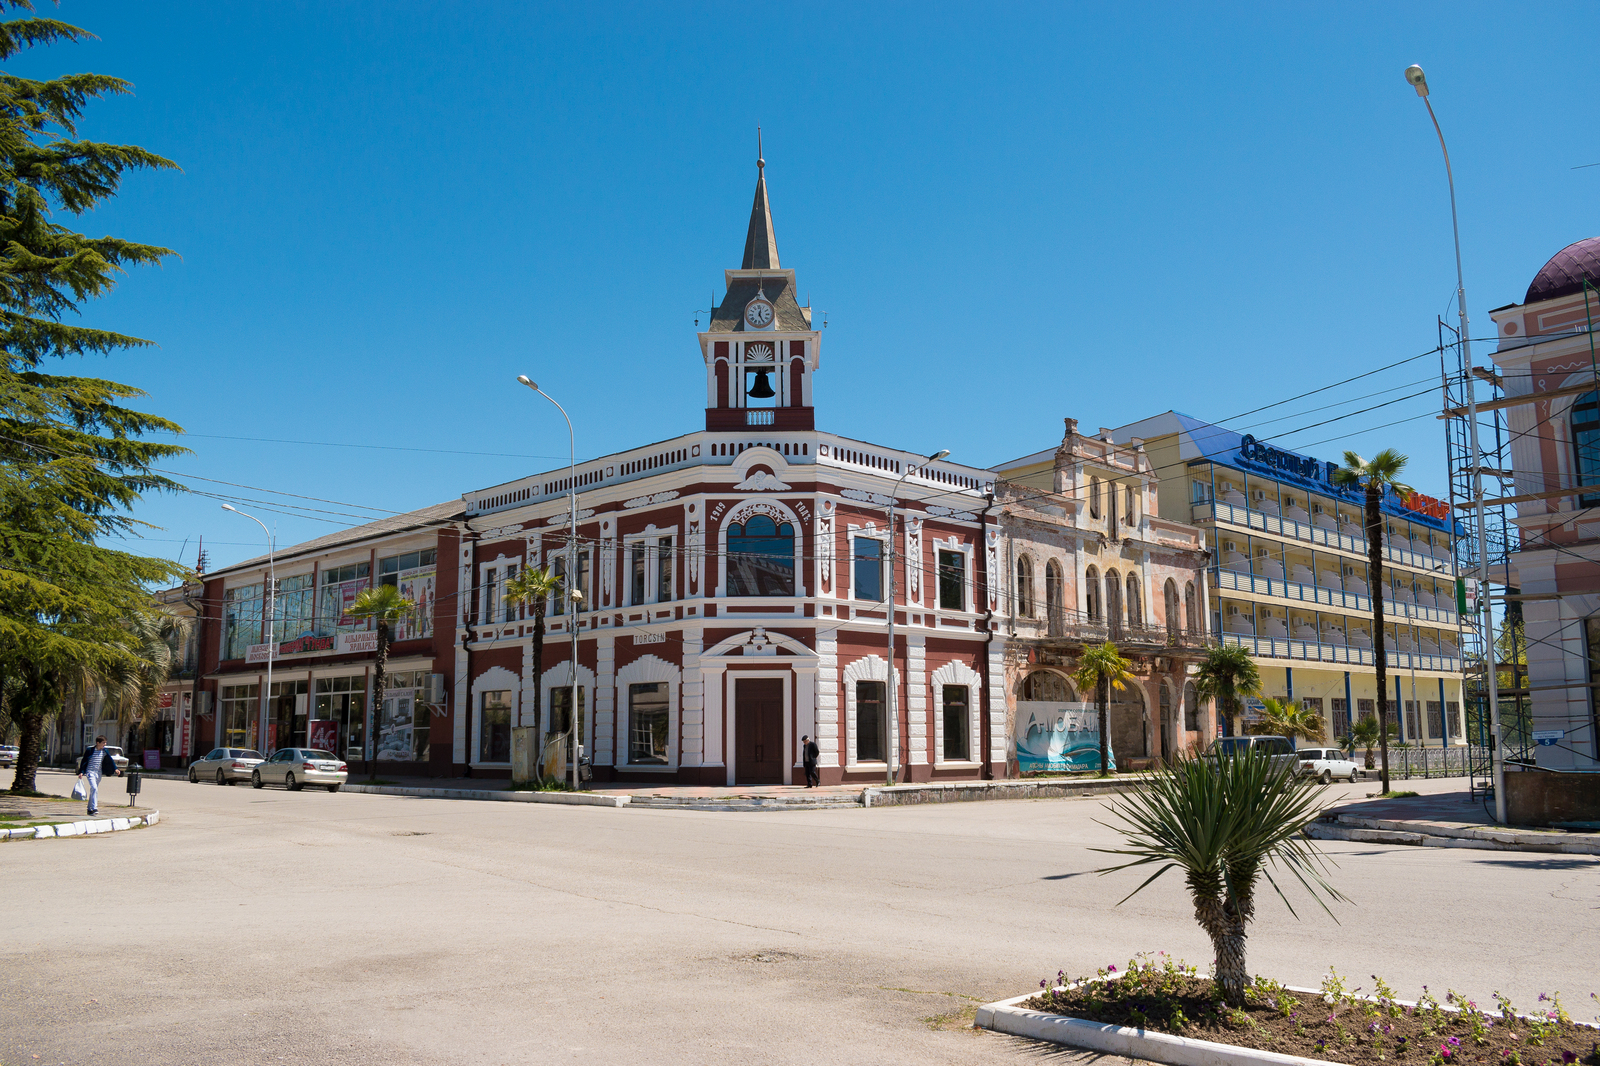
(758, 313)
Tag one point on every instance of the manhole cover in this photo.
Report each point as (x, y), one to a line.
(767, 956)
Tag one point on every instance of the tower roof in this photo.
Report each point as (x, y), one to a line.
(760, 243)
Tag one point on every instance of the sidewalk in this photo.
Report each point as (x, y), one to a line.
(37, 817)
(1452, 819)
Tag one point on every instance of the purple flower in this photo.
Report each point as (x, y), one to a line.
(1569, 1056)
(1455, 1041)
(1111, 969)
(1042, 982)
(1543, 998)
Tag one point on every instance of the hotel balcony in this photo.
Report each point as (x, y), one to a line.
(1236, 577)
(1316, 651)
(1321, 530)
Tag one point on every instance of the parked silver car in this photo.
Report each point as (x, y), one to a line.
(1278, 749)
(9, 754)
(225, 766)
(1325, 764)
(294, 768)
(117, 757)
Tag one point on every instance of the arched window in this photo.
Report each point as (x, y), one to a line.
(760, 558)
(1114, 600)
(1190, 618)
(1191, 708)
(1053, 592)
(1586, 445)
(1170, 603)
(1135, 601)
(1091, 594)
(1045, 687)
(1094, 497)
(1025, 586)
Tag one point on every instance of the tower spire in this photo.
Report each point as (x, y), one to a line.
(760, 243)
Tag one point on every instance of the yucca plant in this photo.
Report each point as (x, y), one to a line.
(1225, 822)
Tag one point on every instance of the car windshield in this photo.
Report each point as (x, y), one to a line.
(1230, 746)
(313, 753)
(1274, 746)
(1311, 753)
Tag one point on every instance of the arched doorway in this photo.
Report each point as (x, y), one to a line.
(1130, 724)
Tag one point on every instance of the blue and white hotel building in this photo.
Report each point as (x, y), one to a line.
(1288, 576)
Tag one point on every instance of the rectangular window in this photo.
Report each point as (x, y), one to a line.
(1435, 719)
(558, 599)
(869, 721)
(561, 710)
(1458, 728)
(952, 581)
(955, 722)
(296, 608)
(340, 586)
(238, 714)
(664, 570)
(414, 574)
(1413, 732)
(339, 707)
(494, 726)
(1341, 719)
(507, 610)
(636, 561)
(1367, 708)
(868, 569)
(491, 595)
(241, 619)
(1314, 705)
(647, 724)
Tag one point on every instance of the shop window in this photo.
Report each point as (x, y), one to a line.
(648, 724)
(760, 558)
(868, 571)
(561, 710)
(952, 581)
(286, 715)
(340, 586)
(414, 574)
(869, 721)
(241, 620)
(339, 716)
(296, 608)
(403, 727)
(494, 726)
(955, 722)
(237, 712)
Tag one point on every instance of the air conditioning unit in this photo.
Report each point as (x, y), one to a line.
(1230, 545)
(435, 690)
(1316, 508)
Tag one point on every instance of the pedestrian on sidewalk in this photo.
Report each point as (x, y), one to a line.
(96, 763)
(808, 758)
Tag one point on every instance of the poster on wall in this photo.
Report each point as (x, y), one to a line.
(348, 591)
(396, 725)
(1058, 736)
(418, 587)
(323, 735)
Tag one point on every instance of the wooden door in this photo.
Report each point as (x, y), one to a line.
(758, 731)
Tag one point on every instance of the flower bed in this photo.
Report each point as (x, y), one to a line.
(1339, 1024)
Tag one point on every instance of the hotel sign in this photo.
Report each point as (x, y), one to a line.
(1427, 505)
(1288, 462)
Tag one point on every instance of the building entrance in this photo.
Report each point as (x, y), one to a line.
(758, 731)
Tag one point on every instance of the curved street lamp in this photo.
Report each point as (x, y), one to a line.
(891, 711)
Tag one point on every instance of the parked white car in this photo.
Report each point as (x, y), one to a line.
(9, 754)
(1325, 764)
(294, 768)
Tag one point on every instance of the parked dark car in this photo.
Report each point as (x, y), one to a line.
(1278, 749)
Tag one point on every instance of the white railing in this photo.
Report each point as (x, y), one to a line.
(1235, 580)
(1316, 651)
(1310, 533)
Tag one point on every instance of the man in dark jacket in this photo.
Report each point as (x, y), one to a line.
(96, 763)
(808, 758)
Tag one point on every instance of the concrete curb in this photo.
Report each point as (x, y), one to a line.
(88, 827)
(746, 803)
(1429, 835)
(968, 791)
(573, 799)
(1007, 1016)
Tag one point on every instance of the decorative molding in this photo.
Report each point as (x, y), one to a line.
(694, 544)
(866, 497)
(660, 497)
(760, 481)
(502, 531)
(946, 512)
(563, 518)
(825, 543)
(773, 510)
(913, 559)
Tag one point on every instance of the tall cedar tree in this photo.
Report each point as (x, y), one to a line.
(72, 461)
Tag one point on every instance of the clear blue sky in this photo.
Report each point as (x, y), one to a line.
(1010, 214)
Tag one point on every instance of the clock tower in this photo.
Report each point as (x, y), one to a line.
(760, 350)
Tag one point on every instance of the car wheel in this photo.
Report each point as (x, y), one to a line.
(333, 788)
(1355, 775)
(1327, 777)
(255, 779)
(222, 778)
(288, 783)
(194, 778)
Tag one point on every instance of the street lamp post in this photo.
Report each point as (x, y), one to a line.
(1419, 81)
(573, 594)
(891, 711)
(272, 605)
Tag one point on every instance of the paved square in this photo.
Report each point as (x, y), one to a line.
(308, 927)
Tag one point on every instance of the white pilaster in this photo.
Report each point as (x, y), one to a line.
(692, 733)
(917, 724)
(827, 694)
(605, 700)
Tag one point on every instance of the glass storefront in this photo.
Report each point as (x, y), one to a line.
(286, 715)
(402, 732)
(339, 716)
(237, 715)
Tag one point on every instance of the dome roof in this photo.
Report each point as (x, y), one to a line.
(1564, 274)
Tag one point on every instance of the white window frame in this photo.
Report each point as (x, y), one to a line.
(494, 679)
(646, 670)
(969, 577)
(866, 668)
(649, 540)
(870, 531)
(956, 673)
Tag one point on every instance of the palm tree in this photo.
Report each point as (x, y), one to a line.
(532, 588)
(1100, 670)
(1288, 719)
(387, 607)
(1227, 674)
(1364, 734)
(1224, 823)
(1374, 478)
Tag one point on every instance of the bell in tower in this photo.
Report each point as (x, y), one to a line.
(760, 350)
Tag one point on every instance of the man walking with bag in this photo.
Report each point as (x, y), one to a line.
(96, 763)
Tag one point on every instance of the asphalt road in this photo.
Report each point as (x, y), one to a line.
(272, 927)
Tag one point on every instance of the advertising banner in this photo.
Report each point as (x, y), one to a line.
(348, 591)
(1058, 736)
(185, 727)
(323, 735)
(259, 653)
(418, 587)
(358, 642)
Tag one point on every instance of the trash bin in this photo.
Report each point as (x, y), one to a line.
(135, 780)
